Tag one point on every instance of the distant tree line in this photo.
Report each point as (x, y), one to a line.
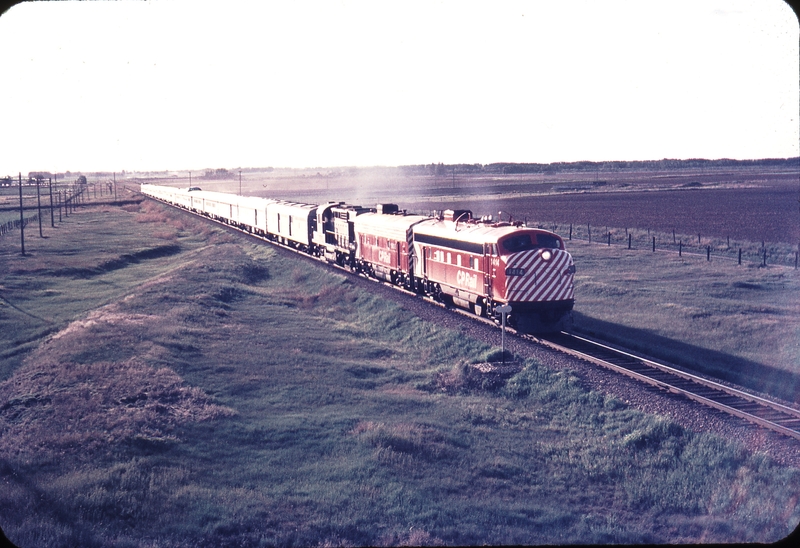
(220, 173)
(441, 169)
(665, 164)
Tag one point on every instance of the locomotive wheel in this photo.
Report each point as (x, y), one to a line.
(477, 308)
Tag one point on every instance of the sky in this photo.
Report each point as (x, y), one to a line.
(189, 85)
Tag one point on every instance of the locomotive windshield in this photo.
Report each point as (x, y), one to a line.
(523, 242)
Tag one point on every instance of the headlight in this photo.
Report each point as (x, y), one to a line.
(546, 255)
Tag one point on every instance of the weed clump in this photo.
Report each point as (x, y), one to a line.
(401, 443)
(464, 378)
(653, 435)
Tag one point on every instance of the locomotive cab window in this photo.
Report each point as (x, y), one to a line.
(523, 242)
(520, 242)
(548, 241)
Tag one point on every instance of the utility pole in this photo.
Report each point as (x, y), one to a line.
(240, 182)
(21, 219)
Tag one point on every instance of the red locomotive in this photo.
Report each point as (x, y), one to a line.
(475, 264)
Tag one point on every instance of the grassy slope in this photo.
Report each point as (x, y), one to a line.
(225, 395)
(741, 323)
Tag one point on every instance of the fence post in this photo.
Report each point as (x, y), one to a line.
(21, 219)
(740, 255)
(698, 239)
(673, 235)
(654, 244)
(764, 262)
(52, 216)
(629, 239)
(680, 248)
(570, 231)
(39, 207)
(708, 253)
(609, 238)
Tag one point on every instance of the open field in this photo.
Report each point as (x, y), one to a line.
(165, 383)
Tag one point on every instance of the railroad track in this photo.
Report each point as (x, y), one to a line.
(757, 410)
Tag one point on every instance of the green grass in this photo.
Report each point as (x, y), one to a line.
(225, 395)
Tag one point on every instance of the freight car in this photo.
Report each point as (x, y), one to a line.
(476, 264)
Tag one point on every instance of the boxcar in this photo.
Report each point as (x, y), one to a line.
(292, 223)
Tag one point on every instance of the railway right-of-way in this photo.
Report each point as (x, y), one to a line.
(689, 388)
(761, 411)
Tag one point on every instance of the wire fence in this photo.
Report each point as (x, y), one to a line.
(12, 226)
(708, 247)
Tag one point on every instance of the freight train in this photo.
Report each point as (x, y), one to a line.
(477, 264)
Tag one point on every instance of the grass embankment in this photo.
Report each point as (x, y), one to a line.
(227, 395)
(736, 322)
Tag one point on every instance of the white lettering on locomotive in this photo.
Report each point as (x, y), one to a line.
(384, 256)
(465, 279)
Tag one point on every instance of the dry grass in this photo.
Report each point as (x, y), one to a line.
(54, 404)
(53, 409)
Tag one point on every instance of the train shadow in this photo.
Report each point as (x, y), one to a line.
(756, 376)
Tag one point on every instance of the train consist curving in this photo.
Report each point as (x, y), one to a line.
(476, 264)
